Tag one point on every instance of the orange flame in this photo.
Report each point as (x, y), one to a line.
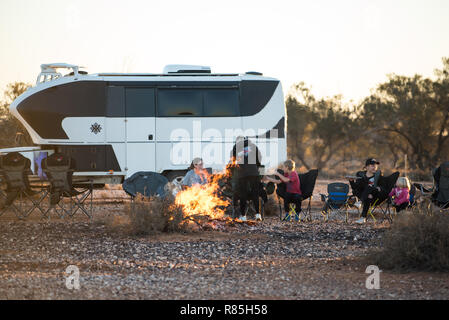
(204, 200)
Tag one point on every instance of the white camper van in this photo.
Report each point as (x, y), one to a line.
(116, 124)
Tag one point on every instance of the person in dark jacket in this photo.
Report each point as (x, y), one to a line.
(248, 160)
(369, 186)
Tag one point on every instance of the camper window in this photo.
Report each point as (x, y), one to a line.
(221, 103)
(140, 102)
(179, 102)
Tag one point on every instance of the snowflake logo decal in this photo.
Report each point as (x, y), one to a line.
(95, 128)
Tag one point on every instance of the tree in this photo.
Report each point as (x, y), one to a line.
(319, 130)
(12, 132)
(411, 115)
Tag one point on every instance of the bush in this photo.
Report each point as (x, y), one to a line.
(271, 206)
(417, 241)
(153, 215)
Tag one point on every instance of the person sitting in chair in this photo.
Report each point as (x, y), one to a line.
(401, 194)
(293, 194)
(196, 174)
(367, 187)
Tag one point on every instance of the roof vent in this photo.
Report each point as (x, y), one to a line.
(254, 73)
(184, 68)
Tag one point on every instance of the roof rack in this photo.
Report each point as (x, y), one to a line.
(49, 72)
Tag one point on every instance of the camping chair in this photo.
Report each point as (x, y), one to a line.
(14, 170)
(383, 204)
(438, 194)
(337, 201)
(307, 184)
(59, 170)
(423, 199)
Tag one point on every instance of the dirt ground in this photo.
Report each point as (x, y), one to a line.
(264, 260)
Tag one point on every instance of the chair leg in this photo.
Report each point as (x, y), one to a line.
(387, 213)
(262, 208)
(77, 203)
(280, 209)
(371, 209)
(325, 212)
(38, 204)
(308, 211)
(346, 214)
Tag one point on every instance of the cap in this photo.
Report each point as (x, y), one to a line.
(371, 161)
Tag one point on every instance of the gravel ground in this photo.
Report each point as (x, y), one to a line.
(268, 260)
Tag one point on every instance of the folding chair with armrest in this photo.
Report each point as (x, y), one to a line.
(59, 169)
(383, 203)
(18, 193)
(336, 201)
(307, 184)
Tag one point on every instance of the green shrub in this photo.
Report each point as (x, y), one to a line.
(416, 241)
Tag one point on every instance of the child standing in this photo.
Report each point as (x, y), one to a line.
(401, 194)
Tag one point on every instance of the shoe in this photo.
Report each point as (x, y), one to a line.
(361, 221)
(296, 217)
(358, 204)
(243, 218)
(258, 217)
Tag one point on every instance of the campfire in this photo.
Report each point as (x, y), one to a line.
(205, 200)
(204, 204)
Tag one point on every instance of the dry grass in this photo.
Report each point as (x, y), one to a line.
(271, 206)
(149, 216)
(417, 241)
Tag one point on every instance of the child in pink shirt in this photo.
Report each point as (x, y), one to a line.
(293, 194)
(401, 194)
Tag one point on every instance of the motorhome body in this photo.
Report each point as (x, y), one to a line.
(114, 124)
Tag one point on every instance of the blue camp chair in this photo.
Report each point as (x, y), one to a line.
(337, 201)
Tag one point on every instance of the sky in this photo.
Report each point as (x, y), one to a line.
(336, 47)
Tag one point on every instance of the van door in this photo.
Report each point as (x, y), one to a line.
(140, 129)
(179, 112)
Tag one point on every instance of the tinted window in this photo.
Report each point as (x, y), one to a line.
(221, 102)
(255, 95)
(116, 102)
(140, 102)
(179, 102)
